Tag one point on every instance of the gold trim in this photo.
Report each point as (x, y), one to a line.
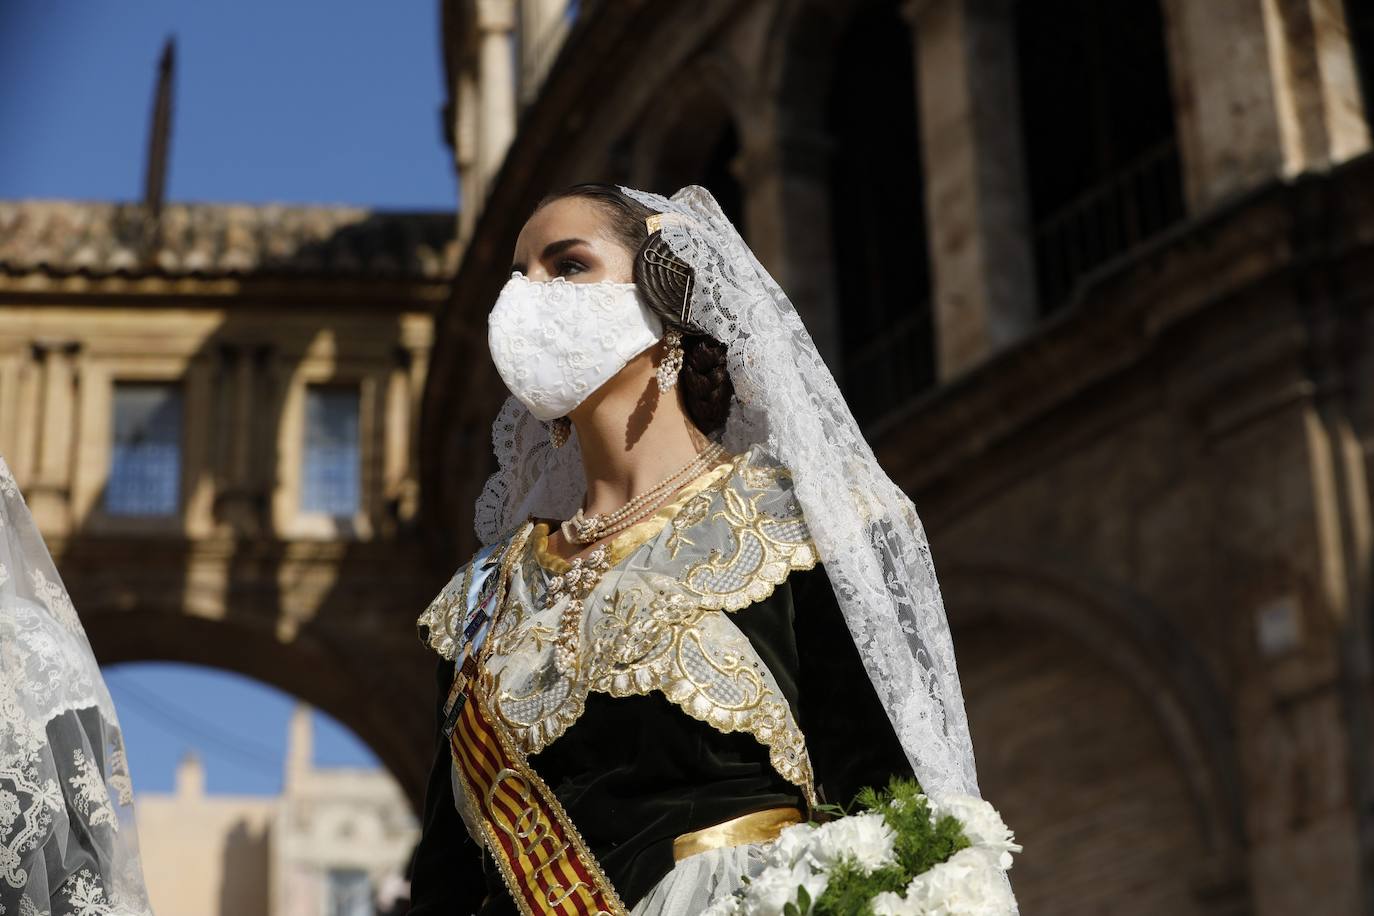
(633, 537)
(537, 784)
(508, 561)
(647, 634)
(437, 618)
(758, 827)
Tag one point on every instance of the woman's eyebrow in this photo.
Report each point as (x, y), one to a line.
(551, 250)
(557, 248)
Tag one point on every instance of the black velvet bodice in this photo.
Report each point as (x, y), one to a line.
(634, 773)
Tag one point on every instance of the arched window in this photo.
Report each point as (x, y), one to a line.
(701, 148)
(1102, 158)
(1359, 17)
(878, 215)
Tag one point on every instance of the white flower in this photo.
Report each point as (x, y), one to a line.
(775, 887)
(890, 904)
(726, 906)
(792, 843)
(864, 838)
(982, 824)
(969, 884)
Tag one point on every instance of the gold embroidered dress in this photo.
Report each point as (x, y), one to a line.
(661, 684)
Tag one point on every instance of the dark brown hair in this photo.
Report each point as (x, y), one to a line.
(665, 281)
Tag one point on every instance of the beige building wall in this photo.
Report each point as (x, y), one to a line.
(205, 854)
(231, 855)
(242, 309)
(65, 358)
(334, 819)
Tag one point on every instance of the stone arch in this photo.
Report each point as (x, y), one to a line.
(697, 138)
(842, 77)
(1105, 634)
(798, 62)
(311, 667)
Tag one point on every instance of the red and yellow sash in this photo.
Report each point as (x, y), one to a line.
(543, 859)
(545, 863)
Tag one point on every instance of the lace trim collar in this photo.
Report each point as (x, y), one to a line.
(651, 621)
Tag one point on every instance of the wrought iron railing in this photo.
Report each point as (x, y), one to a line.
(894, 365)
(1108, 221)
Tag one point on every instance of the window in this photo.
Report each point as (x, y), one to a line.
(145, 466)
(1098, 120)
(1360, 22)
(349, 893)
(330, 476)
(882, 271)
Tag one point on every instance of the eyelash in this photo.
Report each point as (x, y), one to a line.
(569, 261)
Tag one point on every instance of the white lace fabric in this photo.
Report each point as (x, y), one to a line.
(68, 846)
(865, 528)
(556, 342)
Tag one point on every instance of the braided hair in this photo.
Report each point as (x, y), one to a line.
(665, 282)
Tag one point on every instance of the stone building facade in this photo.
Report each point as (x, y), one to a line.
(1099, 281)
(214, 424)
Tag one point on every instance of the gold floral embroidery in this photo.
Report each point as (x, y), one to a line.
(444, 615)
(766, 550)
(692, 513)
(653, 621)
(758, 476)
(702, 663)
(440, 625)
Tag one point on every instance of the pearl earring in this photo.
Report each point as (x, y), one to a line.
(559, 431)
(671, 365)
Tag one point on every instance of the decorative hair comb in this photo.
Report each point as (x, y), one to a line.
(669, 263)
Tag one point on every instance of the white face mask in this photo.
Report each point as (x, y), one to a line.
(555, 343)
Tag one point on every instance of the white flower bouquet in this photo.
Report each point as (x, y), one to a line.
(901, 854)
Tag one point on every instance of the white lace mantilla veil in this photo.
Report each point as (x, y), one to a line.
(865, 528)
(68, 846)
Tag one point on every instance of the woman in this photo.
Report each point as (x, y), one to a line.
(649, 671)
(67, 840)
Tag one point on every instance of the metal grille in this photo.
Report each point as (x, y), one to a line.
(1108, 221)
(145, 466)
(891, 368)
(350, 893)
(330, 476)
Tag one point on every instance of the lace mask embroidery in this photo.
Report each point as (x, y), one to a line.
(555, 343)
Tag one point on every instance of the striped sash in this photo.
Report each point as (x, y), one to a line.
(544, 861)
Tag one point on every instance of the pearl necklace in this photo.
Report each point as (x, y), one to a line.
(583, 529)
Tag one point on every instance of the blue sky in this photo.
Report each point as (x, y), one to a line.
(303, 101)
(236, 726)
(308, 101)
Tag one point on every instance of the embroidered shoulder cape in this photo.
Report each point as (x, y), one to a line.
(652, 617)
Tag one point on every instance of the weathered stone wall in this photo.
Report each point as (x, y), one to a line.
(1150, 513)
(237, 578)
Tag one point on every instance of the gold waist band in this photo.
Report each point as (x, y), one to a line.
(759, 827)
